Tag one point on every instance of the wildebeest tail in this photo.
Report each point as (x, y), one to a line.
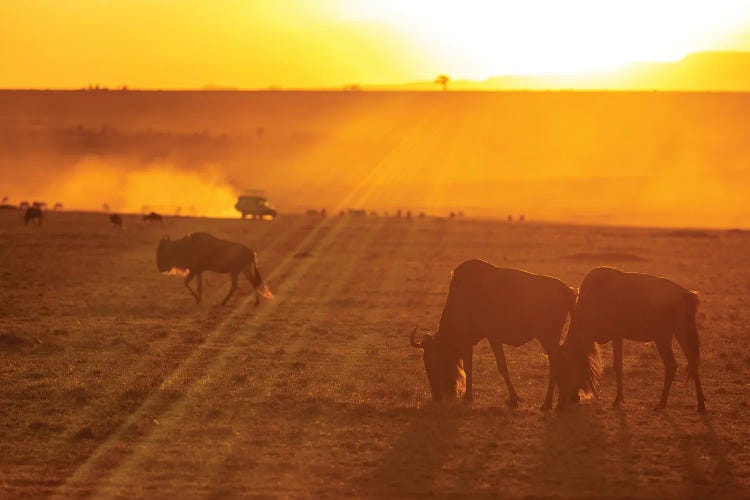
(692, 342)
(572, 295)
(257, 281)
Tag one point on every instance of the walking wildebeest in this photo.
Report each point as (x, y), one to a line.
(153, 217)
(31, 214)
(505, 306)
(615, 305)
(116, 220)
(199, 252)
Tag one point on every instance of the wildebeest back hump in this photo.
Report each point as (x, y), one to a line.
(219, 255)
(637, 305)
(509, 298)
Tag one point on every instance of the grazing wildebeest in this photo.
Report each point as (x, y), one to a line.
(505, 306)
(615, 305)
(153, 217)
(199, 252)
(31, 214)
(116, 220)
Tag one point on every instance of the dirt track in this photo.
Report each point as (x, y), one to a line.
(116, 383)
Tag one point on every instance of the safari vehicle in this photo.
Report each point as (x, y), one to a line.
(255, 204)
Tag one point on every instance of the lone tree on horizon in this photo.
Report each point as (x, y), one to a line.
(443, 80)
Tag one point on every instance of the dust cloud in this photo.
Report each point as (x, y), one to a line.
(638, 158)
(94, 184)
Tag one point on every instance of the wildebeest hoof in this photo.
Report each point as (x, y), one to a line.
(616, 403)
(701, 408)
(660, 407)
(546, 407)
(513, 403)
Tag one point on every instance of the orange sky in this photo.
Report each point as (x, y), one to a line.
(329, 43)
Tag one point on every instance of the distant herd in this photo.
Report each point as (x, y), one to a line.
(506, 307)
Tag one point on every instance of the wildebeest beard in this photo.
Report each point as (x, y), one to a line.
(581, 368)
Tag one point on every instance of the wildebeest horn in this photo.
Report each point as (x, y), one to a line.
(413, 342)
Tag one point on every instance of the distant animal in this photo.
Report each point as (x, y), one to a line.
(58, 206)
(32, 213)
(357, 212)
(312, 211)
(4, 205)
(23, 205)
(39, 204)
(199, 252)
(153, 217)
(116, 220)
(614, 305)
(505, 306)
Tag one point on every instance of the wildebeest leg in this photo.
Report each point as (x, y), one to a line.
(617, 349)
(670, 367)
(692, 356)
(552, 350)
(502, 366)
(469, 395)
(699, 392)
(188, 279)
(233, 287)
(199, 276)
(247, 273)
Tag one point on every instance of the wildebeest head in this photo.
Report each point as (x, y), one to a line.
(165, 255)
(444, 372)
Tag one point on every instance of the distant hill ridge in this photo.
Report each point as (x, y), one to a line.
(700, 71)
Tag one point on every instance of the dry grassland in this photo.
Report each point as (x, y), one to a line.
(115, 383)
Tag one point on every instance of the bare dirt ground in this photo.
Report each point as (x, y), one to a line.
(114, 383)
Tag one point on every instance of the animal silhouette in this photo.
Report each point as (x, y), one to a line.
(199, 252)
